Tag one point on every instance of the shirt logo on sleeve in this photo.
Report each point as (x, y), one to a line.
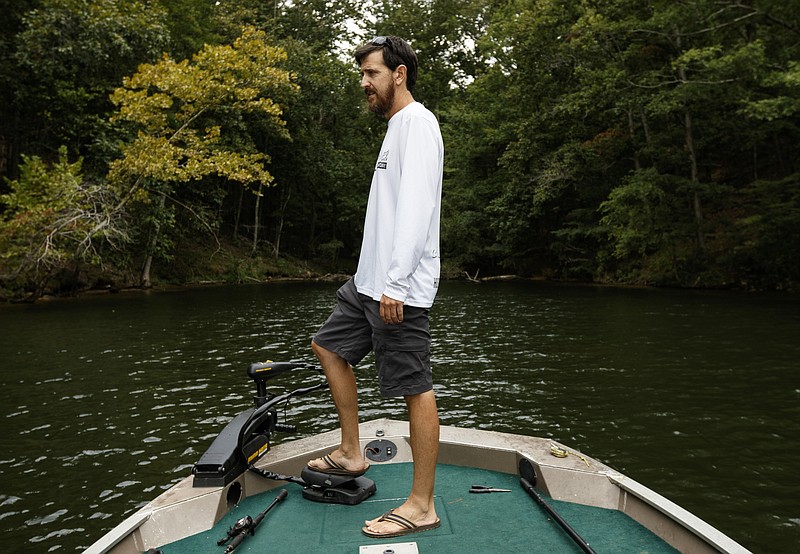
(383, 160)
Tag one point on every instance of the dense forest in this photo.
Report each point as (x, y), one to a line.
(146, 142)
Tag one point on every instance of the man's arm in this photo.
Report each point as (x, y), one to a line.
(416, 204)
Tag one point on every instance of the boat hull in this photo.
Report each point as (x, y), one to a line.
(185, 510)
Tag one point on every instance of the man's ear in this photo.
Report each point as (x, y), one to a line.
(399, 74)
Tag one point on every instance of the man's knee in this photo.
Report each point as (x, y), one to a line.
(330, 360)
(424, 402)
(319, 351)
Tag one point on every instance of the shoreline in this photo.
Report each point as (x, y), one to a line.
(342, 277)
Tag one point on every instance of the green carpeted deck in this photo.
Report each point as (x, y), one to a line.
(478, 523)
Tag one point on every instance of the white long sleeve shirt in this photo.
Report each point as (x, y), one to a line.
(400, 249)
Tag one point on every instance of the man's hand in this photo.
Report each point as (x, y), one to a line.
(391, 310)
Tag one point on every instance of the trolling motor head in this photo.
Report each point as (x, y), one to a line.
(261, 372)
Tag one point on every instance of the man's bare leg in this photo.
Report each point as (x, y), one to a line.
(342, 383)
(424, 430)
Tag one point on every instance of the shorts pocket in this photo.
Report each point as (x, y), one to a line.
(403, 368)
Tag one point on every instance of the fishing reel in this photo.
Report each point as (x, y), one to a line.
(242, 525)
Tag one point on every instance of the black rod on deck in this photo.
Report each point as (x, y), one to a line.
(251, 527)
(527, 472)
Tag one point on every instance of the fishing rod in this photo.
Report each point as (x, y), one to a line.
(527, 478)
(247, 526)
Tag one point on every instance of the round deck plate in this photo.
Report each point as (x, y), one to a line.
(380, 450)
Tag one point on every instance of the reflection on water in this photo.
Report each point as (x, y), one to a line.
(107, 401)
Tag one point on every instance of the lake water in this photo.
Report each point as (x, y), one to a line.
(107, 401)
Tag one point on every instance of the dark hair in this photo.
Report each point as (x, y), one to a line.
(396, 52)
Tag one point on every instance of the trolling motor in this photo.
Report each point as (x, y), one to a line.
(248, 436)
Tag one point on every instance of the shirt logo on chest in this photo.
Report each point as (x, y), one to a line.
(383, 160)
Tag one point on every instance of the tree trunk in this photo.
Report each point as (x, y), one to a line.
(257, 219)
(151, 246)
(238, 214)
(276, 250)
(698, 211)
(632, 135)
(645, 125)
(695, 180)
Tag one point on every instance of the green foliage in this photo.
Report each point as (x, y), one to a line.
(762, 246)
(191, 24)
(650, 231)
(324, 172)
(69, 55)
(51, 223)
(626, 141)
(621, 149)
(444, 35)
(188, 119)
(784, 100)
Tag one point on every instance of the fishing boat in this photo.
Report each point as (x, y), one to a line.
(495, 492)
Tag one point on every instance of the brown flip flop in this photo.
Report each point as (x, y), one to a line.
(407, 527)
(335, 469)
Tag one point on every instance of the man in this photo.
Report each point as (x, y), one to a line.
(385, 306)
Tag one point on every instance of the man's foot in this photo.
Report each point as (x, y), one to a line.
(392, 524)
(327, 464)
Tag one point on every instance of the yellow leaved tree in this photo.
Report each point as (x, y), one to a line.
(192, 119)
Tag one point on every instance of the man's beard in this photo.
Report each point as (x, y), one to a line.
(382, 102)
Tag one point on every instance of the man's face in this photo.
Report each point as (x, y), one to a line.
(377, 80)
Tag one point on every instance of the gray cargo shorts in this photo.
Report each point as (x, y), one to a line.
(402, 352)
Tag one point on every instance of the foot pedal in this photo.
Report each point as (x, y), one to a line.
(336, 489)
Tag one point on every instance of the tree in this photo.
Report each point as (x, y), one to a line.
(326, 170)
(194, 120)
(690, 65)
(69, 56)
(444, 35)
(52, 224)
(526, 150)
(10, 26)
(630, 128)
(647, 142)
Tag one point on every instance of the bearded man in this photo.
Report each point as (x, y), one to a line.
(385, 306)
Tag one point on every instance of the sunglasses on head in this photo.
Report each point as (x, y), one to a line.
(381, 41)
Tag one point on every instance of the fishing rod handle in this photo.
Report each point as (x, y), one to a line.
(237, 540)
(281, 495)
